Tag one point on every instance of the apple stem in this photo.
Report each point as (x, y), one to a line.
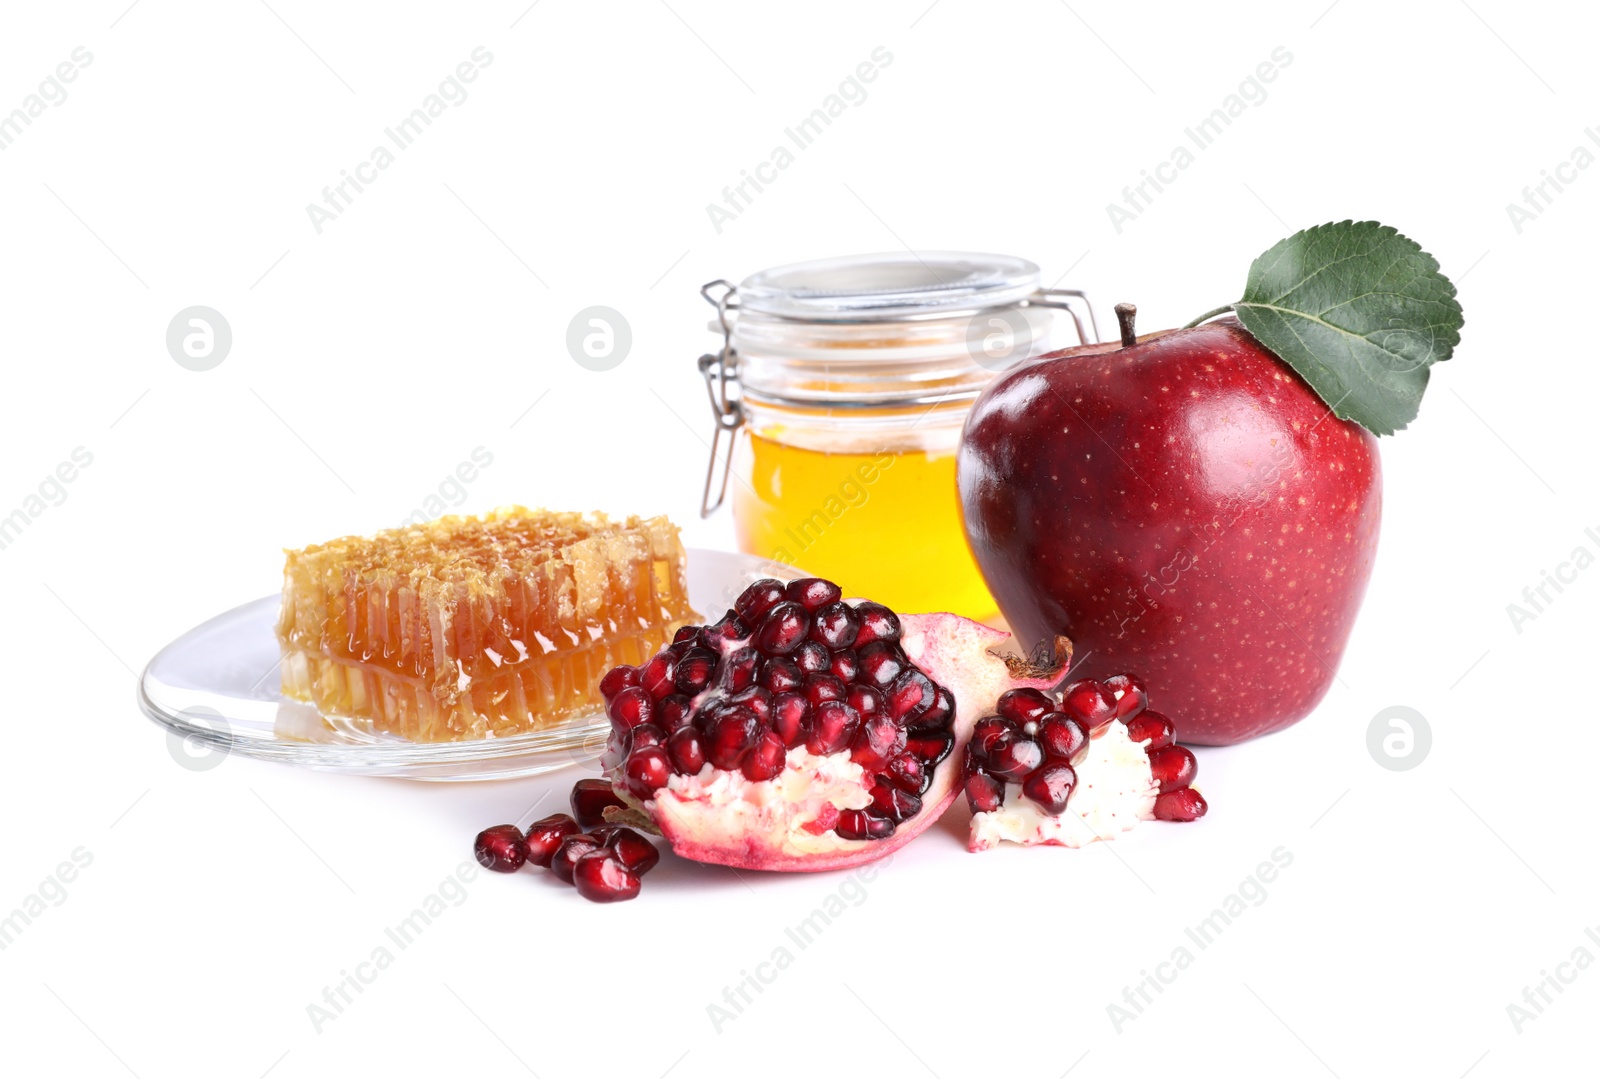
(1125, 313)
(1223, 310)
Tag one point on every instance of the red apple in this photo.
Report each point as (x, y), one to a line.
(1185, 508)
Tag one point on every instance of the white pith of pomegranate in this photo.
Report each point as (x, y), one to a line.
(803, 731)
(1065, 772)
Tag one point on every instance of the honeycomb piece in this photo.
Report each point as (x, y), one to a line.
(478, 627)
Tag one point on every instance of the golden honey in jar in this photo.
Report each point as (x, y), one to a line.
(853, 378)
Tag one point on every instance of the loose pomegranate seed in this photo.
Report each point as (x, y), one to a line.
(765, 758)
(1061, 736)
(1130, 694)
(783, 628)
(844, 666)
(833, 727)
(657, 676)
(738, 669)
(601, 877)
(1091, 702)
(866, 701)
(1154, 727)
(811, 658)
(878, 623)
(1183, 804)
(1173, 767)
(686, 751)
(544, 836)
(813, 593)
(876, 741)
(985, 794)
(911, 693)
(500, 848)
(572, 848)
(673, 711)
(881, 663)
(789, 714)
(892, 802)
(721, 634)
(631, 707)
(1024, 705)
(618, 679)
(646, 772)
(590, 799)
(932, 747)
(859, 824)
(835, 626)
(780, 674)
(989, 730)
(1050, 786)
(758, 599)
(695, 670)
(823, 687)
(635, 851)
(757, 700)
(906, 771)
(1013, 758)
(734, 732)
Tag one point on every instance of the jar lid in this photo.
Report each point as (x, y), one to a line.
(888, 286)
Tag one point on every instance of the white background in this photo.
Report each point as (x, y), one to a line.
(429, 318)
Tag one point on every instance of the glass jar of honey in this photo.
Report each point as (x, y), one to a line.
(840, 393)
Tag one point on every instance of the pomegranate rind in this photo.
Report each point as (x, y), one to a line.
(724, 819)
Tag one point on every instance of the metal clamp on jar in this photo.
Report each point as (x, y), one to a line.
(839, 396)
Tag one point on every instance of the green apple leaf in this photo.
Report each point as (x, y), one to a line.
(1360, 312)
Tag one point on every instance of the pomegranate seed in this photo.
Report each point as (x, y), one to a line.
(635, 851)
(989, 730)
(765, 758)
(932, 747)
(912, 692)
(1013, 758)
(1173, 767)
(1062, 736)
(1050, 786)
(738, 669)
(590, 799)
(544, 836)
(1154, 727)
(844, 666)
(907, 772)
(858, 824)
(783, 628)
(866, 701)
(686, 635)
(985, 794)
(731, 738)
(687, 751)
(1183, 804)
(835, 626)
(812, 658)
(876, 741)
(500, 848)
(833, 727)
(1091, 702)
(572, 848)
(780, 674)
(631, 707)
(618, 679)
(721, 634)
(673, 711)
(1130, 695)
(646, 772)
(881, 664)
(938, 714)
(695, 670)
(757, 700)
(789, 714)
(892, 802)
(601, 877)
(1024, 705)
(823, 687)
(758, 599)
(878, 623)
(657, 676)
(813, 593)
(644, 736)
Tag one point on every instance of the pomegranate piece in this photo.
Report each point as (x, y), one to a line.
(601, 877)
(590, 800)
(820, 733)
(500, 848)
(572, 848)
(1089, 767)
(544, 836)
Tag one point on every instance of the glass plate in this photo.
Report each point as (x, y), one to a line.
(215, 690)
